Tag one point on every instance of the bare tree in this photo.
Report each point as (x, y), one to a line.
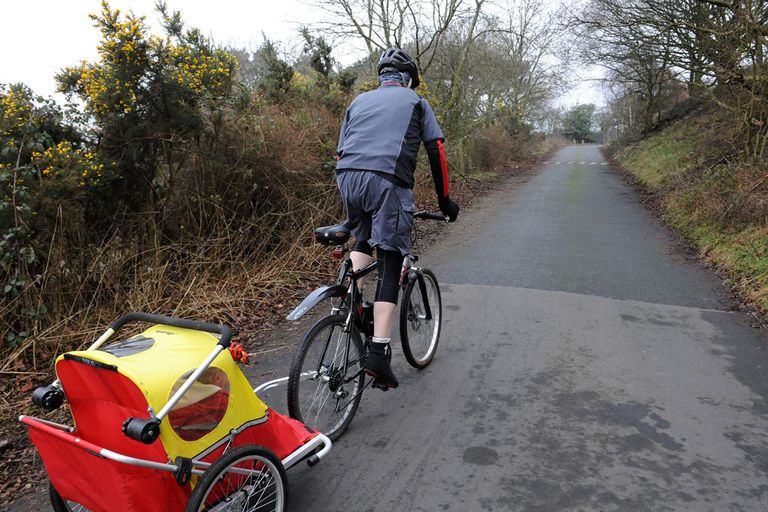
(483, 64)
(531, 41)
(719, 45)
(506, 66)
(381, 24)
(457, 75)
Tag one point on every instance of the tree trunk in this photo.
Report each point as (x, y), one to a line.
(452, 106)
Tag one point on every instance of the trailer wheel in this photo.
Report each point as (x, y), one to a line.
(59, 504)
(248, 479)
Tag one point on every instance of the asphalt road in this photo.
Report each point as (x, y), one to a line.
(585, 364)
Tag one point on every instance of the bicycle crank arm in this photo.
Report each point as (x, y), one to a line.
(354, 397)
(376, 384)
(352, 378)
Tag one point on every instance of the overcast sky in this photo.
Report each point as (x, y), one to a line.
(39, 37)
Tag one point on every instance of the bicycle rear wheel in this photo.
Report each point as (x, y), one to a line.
(325, 383)
(418, 334)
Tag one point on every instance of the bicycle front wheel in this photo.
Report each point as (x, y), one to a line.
(419, 334)
(326, 379)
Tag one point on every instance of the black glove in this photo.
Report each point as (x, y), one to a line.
(449, 208)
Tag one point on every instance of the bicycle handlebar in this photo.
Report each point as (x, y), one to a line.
(424, 214)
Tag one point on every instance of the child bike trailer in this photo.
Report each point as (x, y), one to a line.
(165, 421)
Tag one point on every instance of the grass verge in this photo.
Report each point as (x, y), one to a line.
(709, 193)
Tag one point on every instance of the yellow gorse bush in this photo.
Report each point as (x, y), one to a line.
(22, 123)
(43, 178)
(135, 67)
(198, 71)
(64, 159)
(16, 110)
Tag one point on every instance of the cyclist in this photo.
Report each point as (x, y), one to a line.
(376, 159)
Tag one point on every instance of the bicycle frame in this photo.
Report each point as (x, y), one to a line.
(347, 280)
(353, 317)
(349, 317)
(340, 291)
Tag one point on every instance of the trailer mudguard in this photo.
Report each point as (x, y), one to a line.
(314, 298)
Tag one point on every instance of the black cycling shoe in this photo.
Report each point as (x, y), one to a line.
(376, 363)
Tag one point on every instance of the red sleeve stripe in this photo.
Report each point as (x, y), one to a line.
(444, 166)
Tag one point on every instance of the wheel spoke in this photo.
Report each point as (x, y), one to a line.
(321, 402)
(246, 479)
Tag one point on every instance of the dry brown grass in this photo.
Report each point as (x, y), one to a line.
(219, 279)
(231, 238)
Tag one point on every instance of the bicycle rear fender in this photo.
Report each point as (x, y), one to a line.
(316, 297)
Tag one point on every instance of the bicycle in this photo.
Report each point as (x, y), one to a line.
(326, 380)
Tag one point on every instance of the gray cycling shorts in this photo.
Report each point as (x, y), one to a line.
(382, 209)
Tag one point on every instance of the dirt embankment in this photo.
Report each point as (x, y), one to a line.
(694, 175)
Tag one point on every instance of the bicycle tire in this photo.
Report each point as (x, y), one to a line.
(59, 504)
(311, 398)
(225, 487)
(418, 335)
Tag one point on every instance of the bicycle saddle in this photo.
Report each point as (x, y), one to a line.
(334, 235)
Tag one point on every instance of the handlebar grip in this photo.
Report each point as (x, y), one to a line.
(430, 216)
(137, 316)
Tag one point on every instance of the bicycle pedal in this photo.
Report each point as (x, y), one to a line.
(379, 385)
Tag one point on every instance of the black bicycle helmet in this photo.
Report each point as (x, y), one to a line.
(398, 59)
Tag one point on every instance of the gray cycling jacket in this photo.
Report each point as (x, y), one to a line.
(383, 129)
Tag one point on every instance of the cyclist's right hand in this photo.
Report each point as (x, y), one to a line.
(449, 208)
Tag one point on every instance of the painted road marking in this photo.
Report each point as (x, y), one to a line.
(574, 163)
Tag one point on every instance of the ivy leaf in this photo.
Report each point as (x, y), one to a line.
(37, 313)
(29, 254)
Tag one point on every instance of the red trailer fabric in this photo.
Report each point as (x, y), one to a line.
(101, 400)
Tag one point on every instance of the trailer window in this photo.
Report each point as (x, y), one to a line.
(202, 407)
(129, 347)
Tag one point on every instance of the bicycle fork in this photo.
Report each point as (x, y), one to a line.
(415, 274)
